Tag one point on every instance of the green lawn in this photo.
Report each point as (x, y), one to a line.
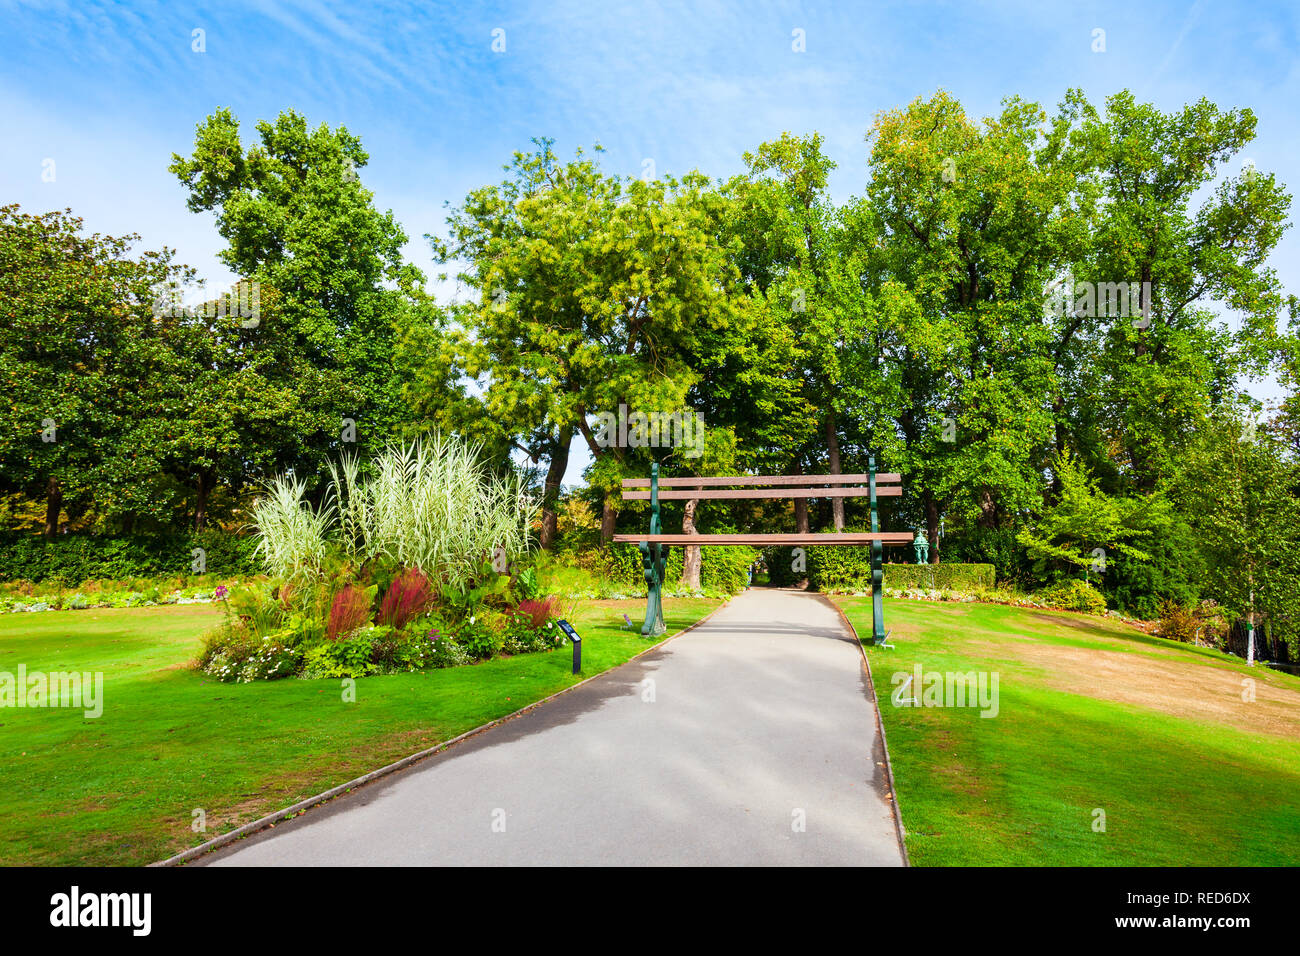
(1092, 715)
(121, 789)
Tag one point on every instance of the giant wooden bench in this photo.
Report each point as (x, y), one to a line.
(654, 545)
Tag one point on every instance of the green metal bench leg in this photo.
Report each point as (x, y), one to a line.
(878, 635)
(654, 557)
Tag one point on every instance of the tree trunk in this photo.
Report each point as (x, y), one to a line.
(1140, 349)
(201, 502)
(833, 448)
(1058, 407)
(988, 518)
(551, 488)
(53, 505)
(691, 557)
(607, 518)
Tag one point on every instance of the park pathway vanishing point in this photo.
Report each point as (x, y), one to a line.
(709, 750)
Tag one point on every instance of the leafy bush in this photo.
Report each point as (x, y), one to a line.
(628, 568)
(525, 585)
(1073, 595)
(480, 636)
(442, 650)
(1204, 622)
(724, 569)
(1173, 573)
(232, 655)
(255, 605)
(996, 546)
(346, 657)
(1178, 623)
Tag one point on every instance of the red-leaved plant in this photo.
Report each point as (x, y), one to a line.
(407, 598)
(538, 612)
(350, 610)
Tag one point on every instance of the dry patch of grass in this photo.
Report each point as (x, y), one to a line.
(1172, 687)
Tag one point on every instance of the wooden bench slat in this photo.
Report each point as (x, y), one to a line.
(715, 481)
(846, 537)
(889, 491)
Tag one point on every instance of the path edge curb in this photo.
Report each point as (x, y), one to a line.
(899, 829)
(280, 816)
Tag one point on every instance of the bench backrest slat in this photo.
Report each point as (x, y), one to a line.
(888, 491)
(828, 538)
(722, 481)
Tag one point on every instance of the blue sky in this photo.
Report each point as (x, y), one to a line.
(110, 90)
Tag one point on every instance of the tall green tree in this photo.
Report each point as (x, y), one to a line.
(297, 220)
(970, 226)
(589, 293)
(77, 312)
(1185, 225)
(1241, 494)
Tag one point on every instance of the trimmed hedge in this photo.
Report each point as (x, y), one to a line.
(840, 568)
(936, 577)
(71, 559)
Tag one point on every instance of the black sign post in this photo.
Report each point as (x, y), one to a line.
(572, 635)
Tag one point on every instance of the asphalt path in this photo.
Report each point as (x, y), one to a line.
(750, 740)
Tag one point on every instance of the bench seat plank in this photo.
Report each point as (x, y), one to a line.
(889, 491)
(845, 537)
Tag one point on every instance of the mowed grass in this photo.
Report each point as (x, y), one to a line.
(121, 789)
(1092, 716)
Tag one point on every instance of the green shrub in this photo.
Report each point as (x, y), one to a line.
(442, 649)
(1178, 623)
(347, 657)
(1073, 595)
(522, 636)
(232, 655)
(480, 636)
(71, 559)
(839, 568)
(724, 569)
(524, 584)
(629, 567)
(1173, 573)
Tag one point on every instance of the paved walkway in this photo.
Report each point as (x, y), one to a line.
(711, 750)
